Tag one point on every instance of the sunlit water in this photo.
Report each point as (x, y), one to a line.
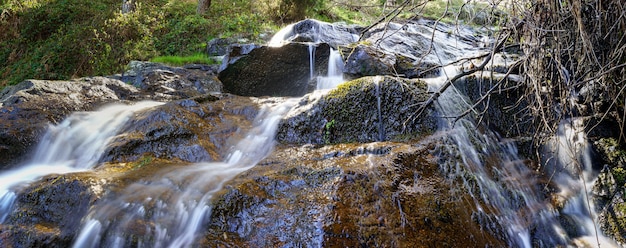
(169, 210)
(335, 72)
(76, 144)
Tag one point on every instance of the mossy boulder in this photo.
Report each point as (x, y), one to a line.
(351, 113)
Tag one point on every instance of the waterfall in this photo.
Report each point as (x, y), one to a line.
(507, 194)
(171, 209)
(498, 178)
(381, 127)
(335, 72)
(75, 144)
(311, 60)
(568, 159)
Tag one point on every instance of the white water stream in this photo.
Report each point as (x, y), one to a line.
(169, 210)
(335, 72)
(76, 144)
(508, 195)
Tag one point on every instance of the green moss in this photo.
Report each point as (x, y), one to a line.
(619, 174)
(343, 89)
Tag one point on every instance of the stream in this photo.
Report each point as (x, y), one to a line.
(174, 206)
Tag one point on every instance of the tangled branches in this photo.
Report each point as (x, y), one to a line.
(575, 63)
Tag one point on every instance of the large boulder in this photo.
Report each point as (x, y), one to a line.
(314, 31)
(412, 49)
(363, 110)
(349, 195)
(161, 82)
(275, 71)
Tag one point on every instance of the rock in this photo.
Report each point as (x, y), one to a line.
(27, 108)
(348, 195)
(612, 218)
(364, 60)
(350, 113)
(314, 31)
(219, 46)
(191, 130)
(274, 71)
(235, 52)
(415, 41)
(48, 212)
(160, 82)
(505, 108)
(604, 188)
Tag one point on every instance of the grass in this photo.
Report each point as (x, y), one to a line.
(65, 39)
(198, 58)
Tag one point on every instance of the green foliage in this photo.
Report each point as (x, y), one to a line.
(328, 131)
(60, 39)
(619, 174)
(198, 58)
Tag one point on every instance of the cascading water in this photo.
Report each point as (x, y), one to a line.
(335, 72)
(491, 183)
(171, 209)
(568, 159)
(507, 194)
(311, 60)
(76, 144)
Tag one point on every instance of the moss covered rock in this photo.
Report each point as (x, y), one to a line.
(352, 113)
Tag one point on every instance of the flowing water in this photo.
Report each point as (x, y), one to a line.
(508, 196)
(76, 144)
(335, 72)
(170, 210)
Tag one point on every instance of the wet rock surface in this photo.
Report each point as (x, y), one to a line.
(160, 82)
(360, 195)
(191, 130)
(26, 109)
(326, 184)
(275, 71)
(48, 212)
(351, 113)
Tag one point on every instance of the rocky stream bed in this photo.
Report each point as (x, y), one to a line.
(349, 167)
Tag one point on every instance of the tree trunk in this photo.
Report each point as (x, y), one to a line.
(203, 6)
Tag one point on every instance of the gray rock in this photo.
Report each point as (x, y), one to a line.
(219, 46)
(191, 130)
(27, 108)
(314, 31)
(161, 82)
